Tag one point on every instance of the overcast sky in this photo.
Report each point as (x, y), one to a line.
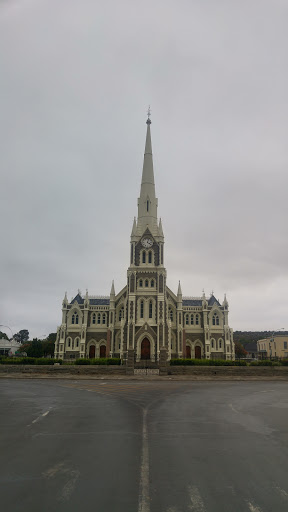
(76, 79)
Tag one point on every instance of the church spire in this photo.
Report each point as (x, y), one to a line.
(147, 202)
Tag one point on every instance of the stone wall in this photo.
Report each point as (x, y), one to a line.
(230, 371)
(209, 372)
(55, 370)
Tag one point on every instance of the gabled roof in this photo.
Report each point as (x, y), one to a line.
(192, 302)
(213, 301)
(78, 299)
(99, 301)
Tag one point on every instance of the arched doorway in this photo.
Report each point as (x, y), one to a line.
(145, 349)
(92, 351)
(188, 352)
(197, 352)
(102, 351)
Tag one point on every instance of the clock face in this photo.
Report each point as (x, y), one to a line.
(147, 242)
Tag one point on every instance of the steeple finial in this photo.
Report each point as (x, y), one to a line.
(134, 228)
(148, 114)
(147, 202)
(112, 289)
(179, 290)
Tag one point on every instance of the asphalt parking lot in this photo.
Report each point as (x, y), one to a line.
(146, 446)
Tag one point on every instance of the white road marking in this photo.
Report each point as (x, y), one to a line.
(233, 408)
(52, 471)
(144, 503)
(253, 508)
(39, 417)
(197, 504)
(69, 486)
(282, 491)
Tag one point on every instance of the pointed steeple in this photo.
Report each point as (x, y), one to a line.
(134, 228)
(179, 293)
(112, 292)
(65, 301)
(86, 300)
(147, 202)
(160, 228)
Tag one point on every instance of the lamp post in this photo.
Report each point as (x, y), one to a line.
(7, 327)
(9, 341)
(272, 339)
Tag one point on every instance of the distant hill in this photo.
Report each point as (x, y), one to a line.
(248, 336)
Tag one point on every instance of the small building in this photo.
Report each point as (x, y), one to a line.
(251, 349)
(273, 347)
(8, 347)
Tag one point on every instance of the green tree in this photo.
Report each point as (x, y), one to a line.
(22, 336)
(49, 344)
(3, 335)
(240, 350)
(35, 349)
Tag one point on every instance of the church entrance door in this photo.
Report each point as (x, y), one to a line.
(102, 351)
(197, 352)
(92, 351)
(188, 352)
(145, 349)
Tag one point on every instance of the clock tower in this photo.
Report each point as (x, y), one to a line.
(146, 275)
(146, 320)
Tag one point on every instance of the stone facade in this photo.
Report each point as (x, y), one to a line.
(146, 319)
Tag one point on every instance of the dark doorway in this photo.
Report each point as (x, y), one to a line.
(188, 352)
(197, 352)
(92, 351)
(102, 351)
(145, 349)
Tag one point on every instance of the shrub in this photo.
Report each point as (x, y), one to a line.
(100, 361)
(43, 360)
(264, 362)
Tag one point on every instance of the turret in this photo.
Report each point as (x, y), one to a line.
(65, 301)
(179, 293)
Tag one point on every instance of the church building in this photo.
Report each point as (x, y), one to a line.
(145, 320)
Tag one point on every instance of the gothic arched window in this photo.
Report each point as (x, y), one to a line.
(150, 309)
(197, 320)
(142, 309)
(141, 283)
(171, 314)
(121, 313)
(98, 318)
(152, 283)
(192, 320)
(75, 318)
(104, 318)
(94, 318)
(187, 319)
(150, 257)
(215, 319)
(143, 257)
(146, 283)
